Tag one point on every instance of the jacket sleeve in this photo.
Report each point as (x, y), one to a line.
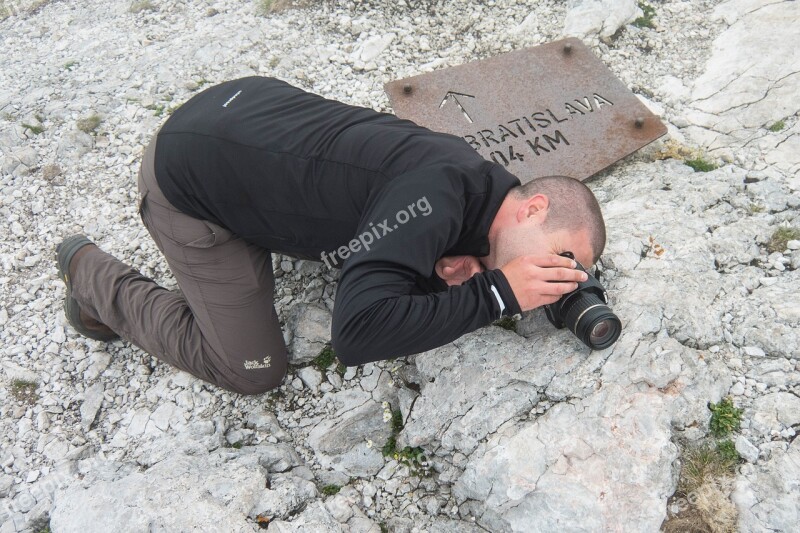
(376, 314)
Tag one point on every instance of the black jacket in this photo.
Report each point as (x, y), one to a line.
(305, 176)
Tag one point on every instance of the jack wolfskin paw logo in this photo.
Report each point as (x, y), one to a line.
(255, 364)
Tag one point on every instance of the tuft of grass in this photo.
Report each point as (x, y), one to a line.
(161, 109)
(325, 358)
(237, 445)
(24, 391)
(781, 237)
(36, 130)
(397, 421)
(330, 490)
(703, 464)
(265, 7)
(777, 126)
(648, 14)
(69, 65)
(340, 369)
(89, 124)
(699, 164)
(141, 5)
(507, 322)
(51, 171)
(755, 208)
(725, 417)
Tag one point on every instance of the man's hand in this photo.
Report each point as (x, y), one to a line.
(531, 278)
(457, 269)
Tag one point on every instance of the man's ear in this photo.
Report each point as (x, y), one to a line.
(536, 206)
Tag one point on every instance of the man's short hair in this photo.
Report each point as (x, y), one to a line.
(573, 206)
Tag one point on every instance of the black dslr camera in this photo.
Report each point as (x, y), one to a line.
(585, 313)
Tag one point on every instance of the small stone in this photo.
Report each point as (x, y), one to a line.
(793, 245)
(92, 399)
(33, 475)
(754, 351)
(310, 376)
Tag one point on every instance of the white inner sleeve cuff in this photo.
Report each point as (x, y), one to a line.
(499, 300)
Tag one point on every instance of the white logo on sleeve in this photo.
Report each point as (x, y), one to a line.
(231, 99)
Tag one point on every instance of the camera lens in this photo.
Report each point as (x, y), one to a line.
(592, 321)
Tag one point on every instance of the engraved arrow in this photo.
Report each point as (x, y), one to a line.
(454, 96)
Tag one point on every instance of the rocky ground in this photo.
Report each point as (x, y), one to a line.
(502, 430)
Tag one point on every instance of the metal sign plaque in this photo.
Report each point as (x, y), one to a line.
(554, 109)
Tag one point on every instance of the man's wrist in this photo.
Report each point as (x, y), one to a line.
(502, 293)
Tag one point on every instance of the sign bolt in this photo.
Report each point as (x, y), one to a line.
(568, 48)
(407, 88)
(639, 122)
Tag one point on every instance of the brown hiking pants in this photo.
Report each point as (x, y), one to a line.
(223, 329)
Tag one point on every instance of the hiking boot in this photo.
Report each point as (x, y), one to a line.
(80, 321)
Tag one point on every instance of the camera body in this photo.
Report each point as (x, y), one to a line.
(586, 313)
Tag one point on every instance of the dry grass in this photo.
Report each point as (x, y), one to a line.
(713, 501)
(704, 490)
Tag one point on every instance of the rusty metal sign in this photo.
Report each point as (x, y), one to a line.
(554, 109)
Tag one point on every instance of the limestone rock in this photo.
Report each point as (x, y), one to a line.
(315, 519)
(352, 443)
(753, 74)
(286, 493)
(310, 325)
(181, 492)
(775, 411)
(92, 399)
(766, 495)
(604, 17)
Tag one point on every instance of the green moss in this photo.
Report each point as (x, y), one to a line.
(648, 14)
(781, 237)
(69, 65)
(237, 445)
(330, 490)
(36, 130)
(777, 126)
(24, 391)
(725, 417)
(755, 208)
(89, 124)
(701, 165)
(507, 322)
(325, 358)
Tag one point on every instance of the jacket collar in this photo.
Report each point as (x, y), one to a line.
(481, 208)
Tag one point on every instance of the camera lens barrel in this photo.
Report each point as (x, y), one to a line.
(591, 320)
